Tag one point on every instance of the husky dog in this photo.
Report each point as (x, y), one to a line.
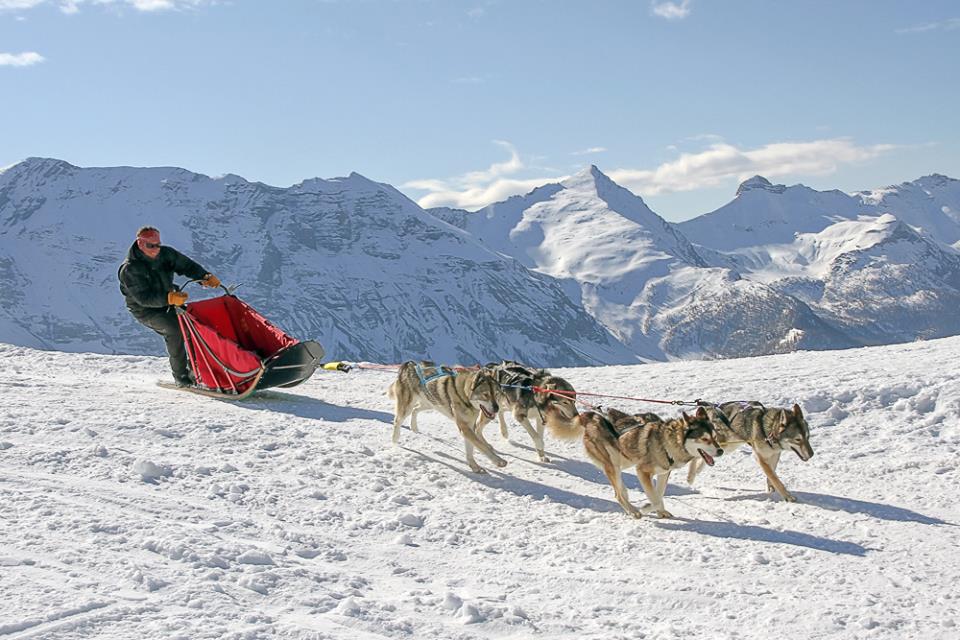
(462, 396)
(558, 411)
(768, 432)
(653, 446)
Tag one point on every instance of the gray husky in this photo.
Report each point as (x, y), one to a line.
(558, 411)
(769, 432)
(653, 446)
(461, 395)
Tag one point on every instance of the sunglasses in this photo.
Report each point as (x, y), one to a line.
(151, 245)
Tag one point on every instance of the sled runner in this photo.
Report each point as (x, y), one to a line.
(234, 351)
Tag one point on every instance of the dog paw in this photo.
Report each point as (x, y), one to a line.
(789, 497)
(635, 514)
(662, 513)
(478, 469)
(501, 462)
(544, 459)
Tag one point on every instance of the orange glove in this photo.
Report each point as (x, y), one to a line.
(177, 298)
(211, 281)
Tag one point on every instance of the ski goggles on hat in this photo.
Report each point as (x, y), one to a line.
(149, 241)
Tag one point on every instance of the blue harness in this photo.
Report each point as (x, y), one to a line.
(441, 372)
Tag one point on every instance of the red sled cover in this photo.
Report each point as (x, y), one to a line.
(228, 343)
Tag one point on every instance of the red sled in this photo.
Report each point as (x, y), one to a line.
(234, 351)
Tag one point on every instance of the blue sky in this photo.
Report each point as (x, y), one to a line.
(464, 103)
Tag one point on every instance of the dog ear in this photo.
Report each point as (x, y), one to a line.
(701, 413)
(797, 412)
(783, 417)
(686, 418)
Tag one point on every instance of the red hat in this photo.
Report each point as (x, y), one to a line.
(148, 240)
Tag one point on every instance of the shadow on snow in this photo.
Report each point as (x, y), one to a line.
(310, 408)
(732, 530)
(518, 486)
(849, 505)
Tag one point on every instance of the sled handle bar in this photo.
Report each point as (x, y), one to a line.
(228, 290)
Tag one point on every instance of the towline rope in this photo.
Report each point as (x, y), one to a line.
(574, 394)
(346, 367)
(598, 408)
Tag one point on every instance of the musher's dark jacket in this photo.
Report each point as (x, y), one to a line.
(145, 283)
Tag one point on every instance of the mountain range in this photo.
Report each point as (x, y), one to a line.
(572, 273)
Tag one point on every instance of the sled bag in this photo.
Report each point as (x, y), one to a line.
(229, 343)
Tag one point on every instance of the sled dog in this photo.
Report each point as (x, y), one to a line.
(462, 396)
(769, 432)
(653, 446)
(557, 411)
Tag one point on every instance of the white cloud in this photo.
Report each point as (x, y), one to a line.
(704, 137)
(587, 152)
(671, 10)
(719, 164)
(13, 5)
(722, 163)
(477, 189)
(944, 25)
(25, 59)
(73, 6)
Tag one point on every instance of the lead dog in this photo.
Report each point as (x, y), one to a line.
(552, 404)
(653, 446)
(463, 396)
(769, 432)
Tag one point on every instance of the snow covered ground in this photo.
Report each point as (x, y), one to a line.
(129, 511)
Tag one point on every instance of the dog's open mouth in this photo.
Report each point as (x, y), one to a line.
(799, 454)
(706, 457)
(489, 414)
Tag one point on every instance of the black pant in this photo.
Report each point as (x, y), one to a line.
(164, 322)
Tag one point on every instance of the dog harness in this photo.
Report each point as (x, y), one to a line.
(441, 372)
(618, 434)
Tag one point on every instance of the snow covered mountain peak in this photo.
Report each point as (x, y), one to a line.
(352, 181)
(589, 178)
(761, 183)
(37, 168)
(931, 202)
(592, 188)
(349, 261)
(35, 163)
(936, 180)
(763, 213)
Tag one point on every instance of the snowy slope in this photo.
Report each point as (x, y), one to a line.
(878, 266)
(348, 261)
(640, 277)
(877, 278)
(763, 213)
(931, 203)
(128, 511)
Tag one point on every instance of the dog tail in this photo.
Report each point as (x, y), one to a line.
(391, 391)
(565, 429)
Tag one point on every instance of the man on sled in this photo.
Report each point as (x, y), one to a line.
(146, 282)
